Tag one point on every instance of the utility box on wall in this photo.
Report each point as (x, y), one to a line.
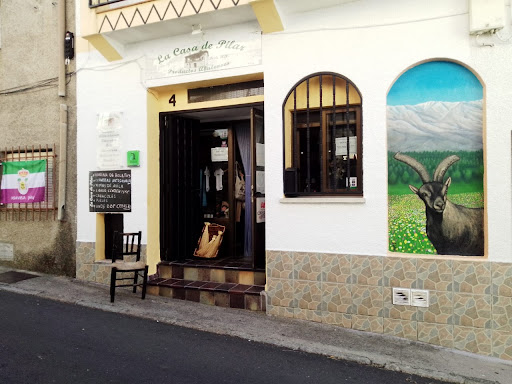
(486, 15)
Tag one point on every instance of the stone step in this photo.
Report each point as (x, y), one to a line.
(221, 294)
(211, 270)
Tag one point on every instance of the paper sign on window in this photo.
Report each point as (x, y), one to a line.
(351, 182)
(341, 146)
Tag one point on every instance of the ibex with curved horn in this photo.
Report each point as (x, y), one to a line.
(453, 229)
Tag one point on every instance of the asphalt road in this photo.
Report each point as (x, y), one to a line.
(43, 341)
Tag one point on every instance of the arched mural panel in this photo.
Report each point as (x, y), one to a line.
(435, 161)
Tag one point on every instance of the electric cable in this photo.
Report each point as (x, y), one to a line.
(366, 26)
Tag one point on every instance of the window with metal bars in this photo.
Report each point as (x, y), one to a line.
(322, 130)
(44, 210)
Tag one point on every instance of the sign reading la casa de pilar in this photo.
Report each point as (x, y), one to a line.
(205, 55)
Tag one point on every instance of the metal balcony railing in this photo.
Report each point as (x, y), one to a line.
(99, 3)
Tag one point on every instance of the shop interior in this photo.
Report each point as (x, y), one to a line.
(220, 178)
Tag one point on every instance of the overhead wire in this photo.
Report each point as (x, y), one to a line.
(41, 84)
(50, 82)
(53, 82)
(366, 26)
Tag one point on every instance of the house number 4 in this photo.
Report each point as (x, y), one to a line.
(172, 100)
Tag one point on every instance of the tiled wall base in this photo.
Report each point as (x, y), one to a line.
(90, 270)
(470, 301)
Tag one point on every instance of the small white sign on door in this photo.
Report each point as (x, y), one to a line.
(260, 181)
(260, 155)
(260, 210)
(219, 154)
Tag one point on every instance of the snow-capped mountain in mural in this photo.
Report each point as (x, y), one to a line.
(435, 125)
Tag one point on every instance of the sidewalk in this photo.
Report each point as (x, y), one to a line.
(363, 347)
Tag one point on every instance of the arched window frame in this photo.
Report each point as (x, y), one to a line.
(309, 110)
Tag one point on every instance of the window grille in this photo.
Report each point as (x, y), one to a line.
(322, 119)
(99, 3)
(45, 210)
(228, 91)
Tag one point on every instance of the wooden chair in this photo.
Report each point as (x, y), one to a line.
(127, 245)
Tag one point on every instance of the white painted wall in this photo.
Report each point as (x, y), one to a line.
(104, 89)
(369, 41)
(342, 40)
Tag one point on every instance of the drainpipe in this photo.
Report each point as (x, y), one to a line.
(62, 160)
(60, 42)
(63, 118)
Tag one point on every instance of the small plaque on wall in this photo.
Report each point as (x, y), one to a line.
(108, 141)
(6, 252)
(132, 158)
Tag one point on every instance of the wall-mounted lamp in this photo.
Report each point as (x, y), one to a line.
(197, 29)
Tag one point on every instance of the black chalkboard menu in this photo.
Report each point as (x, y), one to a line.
(110, 191)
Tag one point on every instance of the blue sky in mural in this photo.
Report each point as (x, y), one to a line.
(435, 81)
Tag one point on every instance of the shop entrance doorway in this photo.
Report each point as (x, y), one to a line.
(205, 156)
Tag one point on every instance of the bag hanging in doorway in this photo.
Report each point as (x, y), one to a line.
(239, 184)
(210, 241)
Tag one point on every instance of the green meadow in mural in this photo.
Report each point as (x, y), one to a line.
(435, 161)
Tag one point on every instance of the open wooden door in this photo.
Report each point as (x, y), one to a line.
(258, 187)
(180, 216)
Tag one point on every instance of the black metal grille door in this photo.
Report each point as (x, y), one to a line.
(180, 221)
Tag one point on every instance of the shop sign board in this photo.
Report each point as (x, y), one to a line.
(211, 51)
(110, 191)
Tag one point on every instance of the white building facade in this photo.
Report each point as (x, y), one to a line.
(326, 250)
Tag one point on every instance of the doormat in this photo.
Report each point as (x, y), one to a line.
(12, 277)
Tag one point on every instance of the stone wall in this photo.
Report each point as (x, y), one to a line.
(30, 118)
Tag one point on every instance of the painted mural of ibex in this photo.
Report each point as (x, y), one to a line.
(453, 229)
